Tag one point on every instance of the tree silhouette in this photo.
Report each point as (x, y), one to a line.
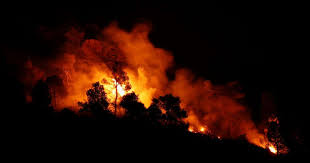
(274, 136)
(116, 62)
(154, 112)
(113, 58)
(134, 108)
(173, 112)
(97, 102)
(56, 86)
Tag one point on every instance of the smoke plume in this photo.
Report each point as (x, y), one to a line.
(216, 108)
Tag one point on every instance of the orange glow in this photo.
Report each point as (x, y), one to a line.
(210, 108)
(201, 129)
(272, 149)
(110, 87)
(120, 88)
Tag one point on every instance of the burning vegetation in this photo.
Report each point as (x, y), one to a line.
(124, 75)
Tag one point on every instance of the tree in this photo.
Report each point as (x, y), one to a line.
(116, 62)
(173, 112)
(134, 108)
(113, 58)
(56, 87)
(154, 112)
(274, 137)
(96, 101)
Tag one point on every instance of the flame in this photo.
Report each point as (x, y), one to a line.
(110, 89)
(272, 149)
(210, 108)
(201, 129)
(120, 88)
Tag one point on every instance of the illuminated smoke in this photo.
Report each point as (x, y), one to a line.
(211, 108)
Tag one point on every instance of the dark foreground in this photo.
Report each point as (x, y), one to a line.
(41, 134)
(52, 135)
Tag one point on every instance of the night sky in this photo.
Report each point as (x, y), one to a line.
(257, 44)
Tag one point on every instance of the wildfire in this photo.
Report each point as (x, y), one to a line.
(210, 108)
(272, 149)
(111, 87)
(120, 90)
(201, 129)
(190, 129)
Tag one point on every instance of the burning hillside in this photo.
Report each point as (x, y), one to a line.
(125, 62)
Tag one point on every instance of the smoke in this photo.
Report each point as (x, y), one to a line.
(147, 64)
(216, 107)
(85, 61)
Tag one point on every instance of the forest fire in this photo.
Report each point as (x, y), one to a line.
(120, 88)
(272, 149)
(125, 62)
(202, 130)
(110, 87)
(190, 129)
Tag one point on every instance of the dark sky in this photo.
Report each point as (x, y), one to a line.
(256, 43)
(210, 38)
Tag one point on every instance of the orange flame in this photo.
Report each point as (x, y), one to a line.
(202, 129)
(272, 149)
(110, 89)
